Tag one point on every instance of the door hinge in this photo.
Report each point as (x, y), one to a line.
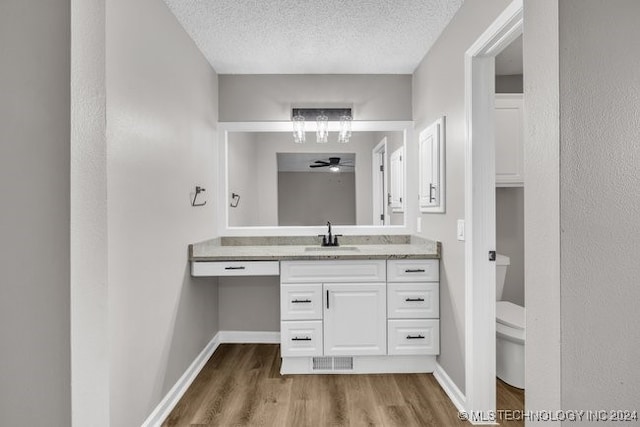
(381, 168)
(381, 217)
(492, 255)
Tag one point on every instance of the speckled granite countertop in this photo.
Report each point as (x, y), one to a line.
(307, 248)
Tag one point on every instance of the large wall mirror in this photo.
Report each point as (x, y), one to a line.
(271, 185)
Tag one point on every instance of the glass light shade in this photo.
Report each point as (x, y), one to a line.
(345, 129)
(298, 129)
(322, 132)
(334, 168)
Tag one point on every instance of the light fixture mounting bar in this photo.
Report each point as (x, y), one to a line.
(334, 114)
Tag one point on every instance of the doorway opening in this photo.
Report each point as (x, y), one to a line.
(380, 192)
(480, 210)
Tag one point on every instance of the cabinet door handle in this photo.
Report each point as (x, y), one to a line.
(415, 337)
(327, 299)
(301, 339)
(241, 267)
(301, 301)
(432, 198)
(414, 299)
(414, 270)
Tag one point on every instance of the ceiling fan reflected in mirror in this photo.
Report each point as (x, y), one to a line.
(333, 163)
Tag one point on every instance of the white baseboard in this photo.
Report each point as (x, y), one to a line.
(449, 387)
(171, 399)
(249, 337)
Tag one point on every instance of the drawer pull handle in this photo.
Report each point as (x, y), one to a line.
(235, 268)
(414, 299)
(301, 301)
(414, 270)
(415, 337)
(327, 299)
(301, 339)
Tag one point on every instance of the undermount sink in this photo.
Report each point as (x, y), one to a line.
(331, 248)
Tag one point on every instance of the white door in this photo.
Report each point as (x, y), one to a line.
(397, 181)
(355, 319)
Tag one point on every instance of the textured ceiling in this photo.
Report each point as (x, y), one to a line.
(314, 37)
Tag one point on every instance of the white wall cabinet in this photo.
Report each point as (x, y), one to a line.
(396, 193)
(431, 164)
(509, 137)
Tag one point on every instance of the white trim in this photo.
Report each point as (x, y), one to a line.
(480, 357)
(249, 337)
(222, 189)
(310, 126)
(449, 387)
(171, 399)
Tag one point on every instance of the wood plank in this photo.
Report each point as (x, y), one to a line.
(240, 385)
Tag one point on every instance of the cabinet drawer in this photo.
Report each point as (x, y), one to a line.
(413, 270)
(235, 268)
(333, 271)
(301, 338)
(301, 301)
(413, 300)
(409, 337)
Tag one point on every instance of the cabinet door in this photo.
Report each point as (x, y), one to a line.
(509, 140)
(431, 167)
(355, 319)
(396, 164)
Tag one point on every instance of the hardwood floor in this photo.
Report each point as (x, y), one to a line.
(241, 386)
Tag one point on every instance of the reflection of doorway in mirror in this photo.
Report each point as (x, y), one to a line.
(379, 180)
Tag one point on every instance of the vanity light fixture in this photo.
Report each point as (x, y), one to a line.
(322, 116)
(322, 130)
(345, 129)
(298, 128)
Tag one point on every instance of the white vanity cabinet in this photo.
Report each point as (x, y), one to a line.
(359, 316)
(347, 299)
(413, 307)
(354, 319)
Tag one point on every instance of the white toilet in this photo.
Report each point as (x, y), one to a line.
(510, 332)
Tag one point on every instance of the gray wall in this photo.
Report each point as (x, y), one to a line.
(600, 203)
(89, 235)
(270, 97)
(35, 381)
(249, 303)
(510, 84)
(312, 198)
(510, 240)
(244, 179)
(161, 130)
(542, 205)
(438, 90)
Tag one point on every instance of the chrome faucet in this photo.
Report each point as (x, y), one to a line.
(329, 239)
